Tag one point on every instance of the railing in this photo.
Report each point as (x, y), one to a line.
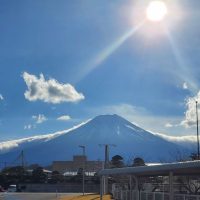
(186, 197)
(125, 194)
(154, 196)
(142, 195)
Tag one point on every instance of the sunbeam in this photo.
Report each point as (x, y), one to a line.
(183, 72)
(103, 55)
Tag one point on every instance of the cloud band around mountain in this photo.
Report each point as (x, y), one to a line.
(50, 91)
(11, 144)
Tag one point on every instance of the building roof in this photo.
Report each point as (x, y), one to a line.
(178, 168)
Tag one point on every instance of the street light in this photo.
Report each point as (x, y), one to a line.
(83, 181)
(197, 129)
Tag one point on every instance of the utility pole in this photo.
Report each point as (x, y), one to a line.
(22, 158)
(83, 181)
(197, 118)
(106, 166)
(106, 162)
(107, 153)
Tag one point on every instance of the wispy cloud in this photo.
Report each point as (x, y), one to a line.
(168, 125)
(64, 118)
(185, 86)
(39, 119)
(50, 91)
(1, 97)
(29, 127)
(8, 145)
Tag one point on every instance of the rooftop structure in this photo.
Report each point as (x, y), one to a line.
(76, 164)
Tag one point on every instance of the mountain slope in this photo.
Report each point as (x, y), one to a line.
(129, 141)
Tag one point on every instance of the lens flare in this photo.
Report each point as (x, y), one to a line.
(182, 71)
(107, 52)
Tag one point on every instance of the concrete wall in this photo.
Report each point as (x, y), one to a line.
(89, 188)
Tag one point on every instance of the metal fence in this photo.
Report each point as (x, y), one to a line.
(143, 195)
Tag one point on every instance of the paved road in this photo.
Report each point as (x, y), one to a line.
(32, 196)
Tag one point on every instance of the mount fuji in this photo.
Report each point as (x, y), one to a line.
(124, 138)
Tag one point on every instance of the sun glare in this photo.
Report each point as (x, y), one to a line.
(156, 11)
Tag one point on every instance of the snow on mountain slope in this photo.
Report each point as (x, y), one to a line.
(129, 141)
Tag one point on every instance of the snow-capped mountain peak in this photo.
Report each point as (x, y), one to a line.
(129, 141)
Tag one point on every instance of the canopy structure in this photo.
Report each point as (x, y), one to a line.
(189, 168)
(178, 168)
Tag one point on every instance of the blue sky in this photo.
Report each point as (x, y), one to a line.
(63, 62)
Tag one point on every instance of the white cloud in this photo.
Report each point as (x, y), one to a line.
(50, 91)
(177, 139)
(185, 86)
(64, 118)
(1, 97)
(39, 119)
(168, 125)
(190, 114)
(29, 127)
(8, 145)
(187, 141)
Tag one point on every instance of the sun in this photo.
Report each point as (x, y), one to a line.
(156, 11)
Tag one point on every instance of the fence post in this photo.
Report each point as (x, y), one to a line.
(153, 195)
(130, 185)
(171, 189)
(101, 187)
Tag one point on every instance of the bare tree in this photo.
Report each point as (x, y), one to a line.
(190, 185)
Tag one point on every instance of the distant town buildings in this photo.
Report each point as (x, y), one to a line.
(72, 167)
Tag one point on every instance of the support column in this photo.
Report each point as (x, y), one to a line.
(171, 188)
(101, 187)
(136, 188)
(131, 187)
(105, 184)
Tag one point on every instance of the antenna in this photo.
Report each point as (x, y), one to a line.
(22, 158)
(106, 165)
